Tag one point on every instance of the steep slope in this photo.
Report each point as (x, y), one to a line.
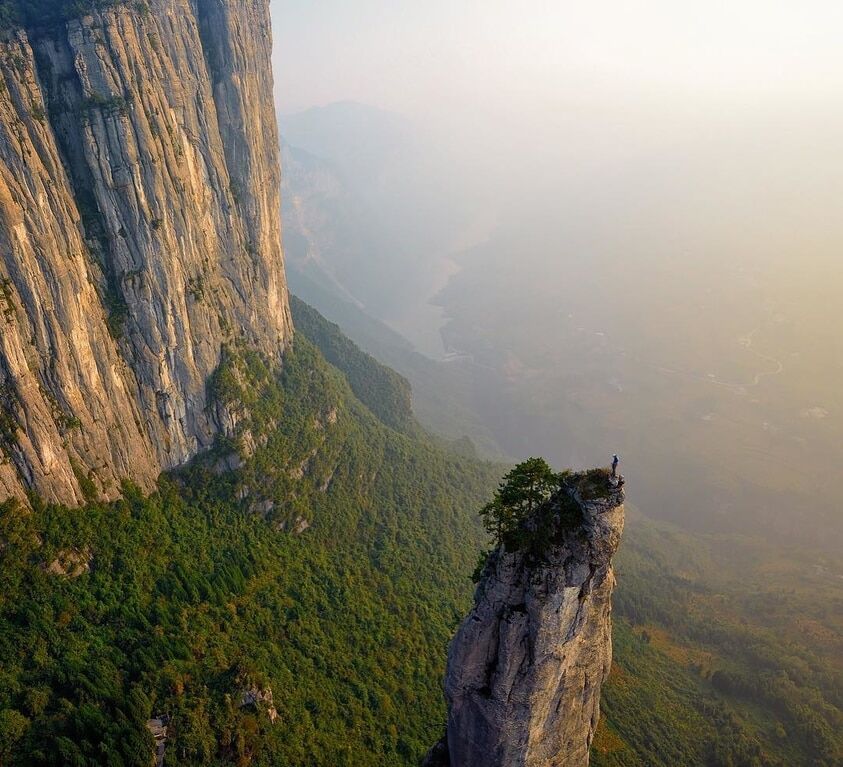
(527, 664)
(139, 190)
(329, 568)
(386, 393)
(444, 392)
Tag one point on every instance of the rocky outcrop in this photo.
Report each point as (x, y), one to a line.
(526, 666)
(158, 729)
(260, 699)
(71, 563)
(139, 234)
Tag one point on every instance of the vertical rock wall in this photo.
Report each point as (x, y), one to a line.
(526, 666)
(139, 233)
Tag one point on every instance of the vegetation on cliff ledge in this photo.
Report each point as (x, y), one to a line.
(520, 494)
(534, 506)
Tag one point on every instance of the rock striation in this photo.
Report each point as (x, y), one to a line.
(526, 666)
(139, 235)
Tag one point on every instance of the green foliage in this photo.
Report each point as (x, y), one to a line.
(718, 663)
(109, 105)
(9, 407)
(13, 726)
(38, 113)
(477, 575)
(117, 310)
(592, 484)
(191, 592)
(86, 484)
(7, 301)
(526, 487)
(381, 389)
(46, 12)
(202, 588)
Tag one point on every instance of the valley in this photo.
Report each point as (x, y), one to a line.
(324, 526)
(717, 399)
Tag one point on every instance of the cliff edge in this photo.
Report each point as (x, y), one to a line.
(139, 235)
(526, 666)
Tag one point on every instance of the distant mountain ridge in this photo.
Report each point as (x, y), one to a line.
(358, 139)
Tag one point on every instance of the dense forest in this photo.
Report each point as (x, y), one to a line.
(324, 556)
(330, 568)
(386, 393)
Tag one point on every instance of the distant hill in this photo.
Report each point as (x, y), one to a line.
(365, 209)
(360, 140)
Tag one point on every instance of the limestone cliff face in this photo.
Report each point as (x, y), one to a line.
(139, 233)
(526, 666)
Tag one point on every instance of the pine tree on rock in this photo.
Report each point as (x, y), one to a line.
(519, 494)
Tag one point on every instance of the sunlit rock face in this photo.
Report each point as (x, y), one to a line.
(139, 234)
(526, 666)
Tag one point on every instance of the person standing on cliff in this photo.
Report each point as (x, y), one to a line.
(615, 462)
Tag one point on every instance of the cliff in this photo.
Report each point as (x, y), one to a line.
(139, 234)
(526, 666)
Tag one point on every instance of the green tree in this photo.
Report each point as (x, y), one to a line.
(13, 725)
(519, 494)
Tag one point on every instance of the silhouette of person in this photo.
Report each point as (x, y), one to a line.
(615, 462)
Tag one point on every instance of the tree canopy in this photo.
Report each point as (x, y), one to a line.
(519, 494)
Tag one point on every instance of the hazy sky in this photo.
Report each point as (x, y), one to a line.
(730, 103)
(414, 57)
(727, 116)
(664, 138)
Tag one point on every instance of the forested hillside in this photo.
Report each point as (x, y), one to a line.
(386, 393)
(329, 568)
(704, 673)
(728, 653)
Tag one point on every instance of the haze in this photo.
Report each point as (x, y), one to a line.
(625, 214)
(413, 57)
